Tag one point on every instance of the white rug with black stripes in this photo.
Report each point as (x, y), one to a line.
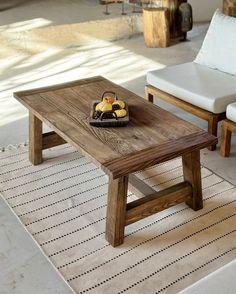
(62, 203)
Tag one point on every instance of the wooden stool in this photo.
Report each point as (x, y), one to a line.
(156, 27)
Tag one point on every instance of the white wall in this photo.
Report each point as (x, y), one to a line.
(204, 9)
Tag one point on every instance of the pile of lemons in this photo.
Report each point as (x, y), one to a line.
(109, 104)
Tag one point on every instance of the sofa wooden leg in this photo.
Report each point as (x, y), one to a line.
(212, 128)
(225, 140)
(148, 95)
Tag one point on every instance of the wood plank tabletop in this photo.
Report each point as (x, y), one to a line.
(153, 135)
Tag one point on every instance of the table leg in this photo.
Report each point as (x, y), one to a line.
(116, 210)
(35, 139)
(192, 174)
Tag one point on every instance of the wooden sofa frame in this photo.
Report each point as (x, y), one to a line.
(227, 128)
(211, 118)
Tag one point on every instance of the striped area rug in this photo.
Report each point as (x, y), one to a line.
(62, 203)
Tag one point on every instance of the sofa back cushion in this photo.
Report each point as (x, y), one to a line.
(218, 50)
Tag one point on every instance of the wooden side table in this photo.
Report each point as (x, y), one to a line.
(163, 24)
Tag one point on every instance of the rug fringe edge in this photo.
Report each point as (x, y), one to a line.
(13, 146)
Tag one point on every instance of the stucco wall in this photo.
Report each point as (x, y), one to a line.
(204, 9)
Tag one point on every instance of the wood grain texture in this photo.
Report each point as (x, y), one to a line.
(73, 129)
(21, 94)
(156, 27)
(51, 139)
(227, 128)
(116, 210)
(157, 202)
(172, 6)
(35, 139)
(157, 154)
(162, 24)
(229, 7)
(192, 174)
(151, 130)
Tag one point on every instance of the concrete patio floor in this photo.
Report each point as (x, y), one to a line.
(124, 61)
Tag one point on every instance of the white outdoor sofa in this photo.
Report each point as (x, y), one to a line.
(207, 85)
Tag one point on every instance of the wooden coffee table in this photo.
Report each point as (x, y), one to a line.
(152, 136)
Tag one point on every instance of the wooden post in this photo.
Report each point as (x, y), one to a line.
(156, 27)
(192, 174)
(116, 210)
(229, 7)
(35, 139)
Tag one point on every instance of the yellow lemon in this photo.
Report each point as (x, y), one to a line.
(99, 106)
(121, 112)
(120, 103)
(106, 107)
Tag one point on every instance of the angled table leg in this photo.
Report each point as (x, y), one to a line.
(192, 174)
(35, 139)
(116, 210)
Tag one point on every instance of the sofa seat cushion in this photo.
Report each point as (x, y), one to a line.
(231, 112)
(196, 84)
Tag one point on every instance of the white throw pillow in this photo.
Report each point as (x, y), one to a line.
(219, 46)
